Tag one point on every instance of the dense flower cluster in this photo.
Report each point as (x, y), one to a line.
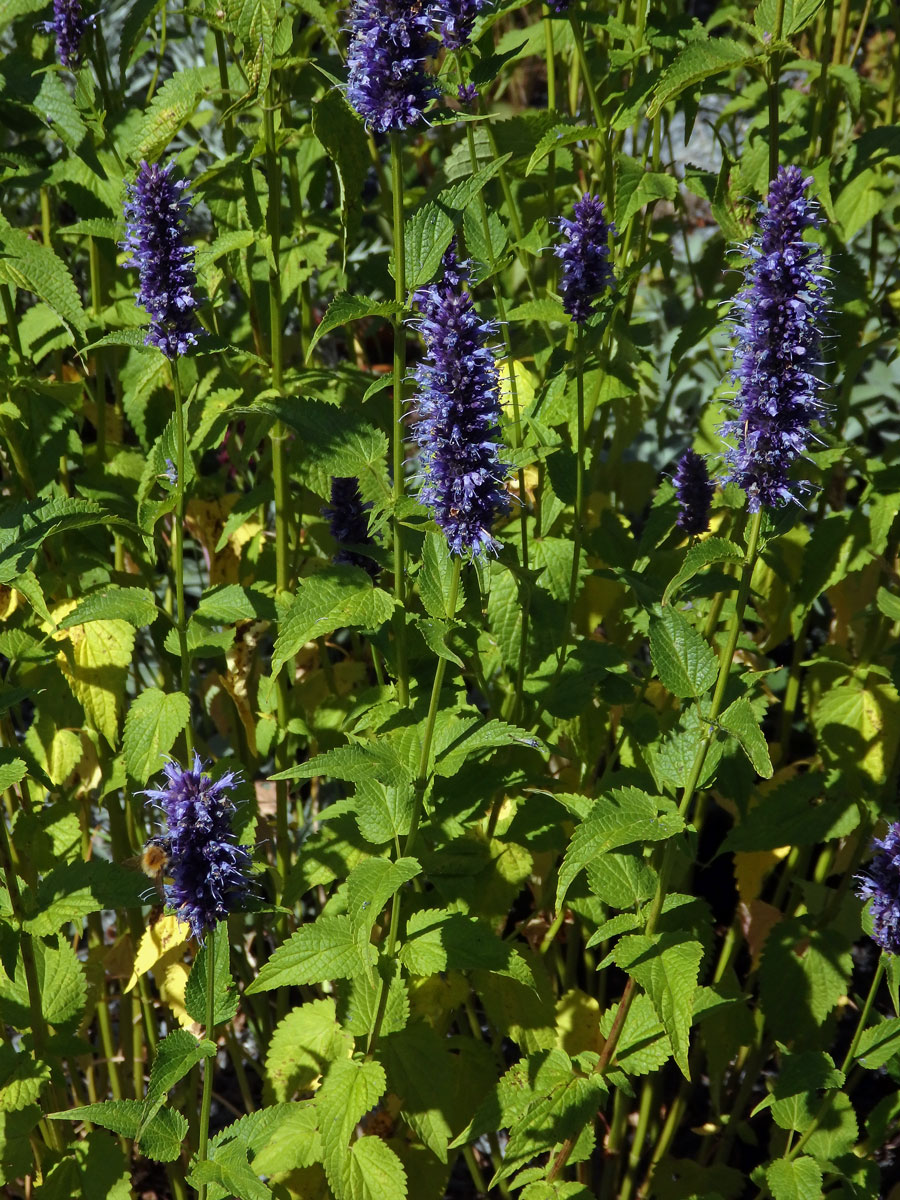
(348, 522)
(779, 315)
(69, 24)
(154, 238)
(881, 884)
(694, 490)
(458, 414)
(455, 20)
(585, 258)
(389, 42)
(209, 870)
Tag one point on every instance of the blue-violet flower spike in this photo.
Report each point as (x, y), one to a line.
(455, 20)
(458, 414)
(585, 258)
(779, 315)
(349, 524)
(694, 490)
(880, 883)
(209, 869)
(154, 238)
(389, 42)
(69, 24)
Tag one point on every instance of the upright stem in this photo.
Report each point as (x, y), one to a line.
(280, 480)
(209, 1064)
(774, 77)
(178, 552)
(578, 533)
(398, 446)
(222, 61)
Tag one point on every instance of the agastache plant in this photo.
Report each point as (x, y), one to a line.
(585, 258)
(155, 216)
(694, 491)
(457, 409)
(389, 43)
(349, 524)
(880, 883)
(209, 869)
(455, 20)
(69, 24)
(779, 316)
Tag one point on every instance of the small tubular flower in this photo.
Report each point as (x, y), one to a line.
(779, 316)
(70, 25)
(458, 415)
(389, 43)
(348, 522)
(585, 258)
(880, 883)
(694, 491)
(455, 20)
(209, 869)
(154, 238)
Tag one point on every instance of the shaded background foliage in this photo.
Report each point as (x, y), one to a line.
(479, 828)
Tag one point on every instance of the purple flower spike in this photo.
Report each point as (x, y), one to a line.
(779, 316)
(349, 524)
(458, 415)
(694, 490)
(389, 42)
(455, 20)
(154, 238)
(70, 25)
(585, 258)
(881, 884)
(209, 870)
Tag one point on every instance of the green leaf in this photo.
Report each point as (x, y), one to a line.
(700, 555)
(335, 442)
(335, 598)
(326, 949)
(683, 659)
(810, 965)
(175, 1056)
(858, 724)
(302, 1045)
(22, 1078)
(888, 604)
(253, 21)
(291, 1139)
(345, 308)
(879, 1044)
(434, 577)
(38, 269)
(666, 966)
(427, 234)
(171, 109)
(636, 186)
(227, 1169)
(74, 890)
(161, 1140)
(12, 772)
(374, 1171)
(154, 721)
(740, 721)
(620, 818)
(794, 1099)
(343, 135)
(796, 813)
(134, 605)
(561, 135)
(95, 664)
(224, 989)
(420, 1073)
(795, 1179)
(347, 1093)
(54, 105)
(643, 1045)
(371, 884)
(61, 984)
(135, 25)
(473, 737)
(438, 941)
(27, 526)
(696, 62)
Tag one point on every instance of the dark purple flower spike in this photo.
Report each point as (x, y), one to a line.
(349, 524)
(779, 316)
(458, 414)
(880, 883)
(455, 20)
(585, 258)
(389, 43)
(69, 24)
(155, 240)
(694, 490)
(209, 869)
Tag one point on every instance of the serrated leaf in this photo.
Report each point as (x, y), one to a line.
(22, 1078)
(290, 1140)
(684, 660)
(859, 721)
(335, 598)
(434, 577)
(795, 1179)
(796, 813)
(171, 109)
(135, 25)
(666, 966)
(326, 949)
(253, 21)
(134, 605)
(374, 1171)
(620, 818)
(154, 721)
(12, 772)
(224, 989)
(73, 891)
(696, 62)
(371, 884)
(636, 186)
(343, 135)
(61, 984)
(740, 721)
(27, 526)
(438, 941)
(302, 1046)
(561, 135)
(810, 965)
(879, 1044)
(227, 1172)
(427, 235)
(345, 308)
(420, 1072)
(161, 1140)
(176, 1054)
(348, 1091)
(54, 105)
(38, 269)
(95, 664)
(700, 555)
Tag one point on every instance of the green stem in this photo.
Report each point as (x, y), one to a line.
(228, 131)
(774, 77)
(208, 1063)
(398, 445)
(12, 326)
(178, 551)
(578, 531)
